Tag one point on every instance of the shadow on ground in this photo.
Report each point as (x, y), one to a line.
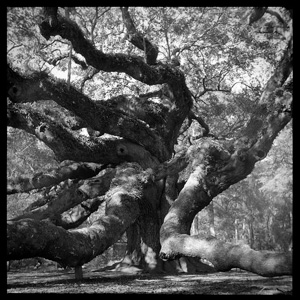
(112, 282)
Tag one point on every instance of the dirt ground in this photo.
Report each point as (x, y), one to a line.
(112, 282)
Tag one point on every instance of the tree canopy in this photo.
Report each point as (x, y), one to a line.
(152, 112)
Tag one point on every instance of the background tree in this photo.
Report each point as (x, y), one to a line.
(165, 111)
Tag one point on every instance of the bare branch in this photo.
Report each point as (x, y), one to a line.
(55, 40)
(46, 179)
(15, 46)
(206, 89)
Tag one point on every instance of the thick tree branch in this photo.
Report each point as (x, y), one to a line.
(154, 114)
(71, 145)
(132, 65)
(67, 195)
(225, 256)
(191, 198)
(274, 107)
(187, 157)
(50, 14)
(281, 73)
(24, 236)
(78, 214)
(172, 167)
(257, 14)
(45, 179)
(138, 40)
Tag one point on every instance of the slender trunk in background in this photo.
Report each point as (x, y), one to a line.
(211, 218)
(236, 230)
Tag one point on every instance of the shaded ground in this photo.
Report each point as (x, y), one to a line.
(60, 281)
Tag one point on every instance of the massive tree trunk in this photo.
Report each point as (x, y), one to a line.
(129, 165)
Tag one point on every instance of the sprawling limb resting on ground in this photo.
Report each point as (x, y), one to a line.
(29, 238)
(176, 241)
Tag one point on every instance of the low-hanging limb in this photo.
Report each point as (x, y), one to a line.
(80, 170)
(67, 195)
(78, 214)
(31, 238)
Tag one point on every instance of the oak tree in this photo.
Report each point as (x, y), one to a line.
(172, 117)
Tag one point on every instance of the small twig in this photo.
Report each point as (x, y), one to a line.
(13, 47)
